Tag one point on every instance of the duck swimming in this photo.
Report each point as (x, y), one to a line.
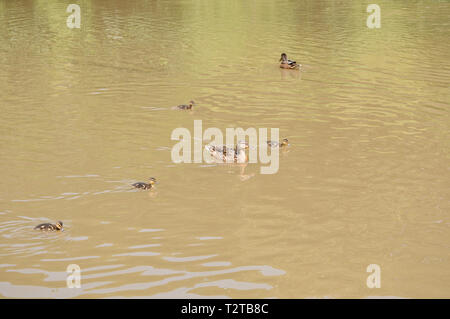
(50, 227)
(229, 154)
(186, 106)
(288, 64)
(273, 144)
(142, 185)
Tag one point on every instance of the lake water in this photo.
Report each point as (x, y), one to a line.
(87, 112)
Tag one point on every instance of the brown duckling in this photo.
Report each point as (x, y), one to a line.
(142, 185)
(186, 106)
(50, 227)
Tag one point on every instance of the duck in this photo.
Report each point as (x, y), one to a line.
(50, 227)
(288, 64)
(229, 154)
(273, 144)
(186, 106)
(142, 185)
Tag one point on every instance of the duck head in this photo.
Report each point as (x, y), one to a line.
(283, 57)
(285, 142)
(59, 225)
(152, 180)
(242, 145)
(191, 104)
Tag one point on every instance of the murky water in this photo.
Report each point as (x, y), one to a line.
(86, 112)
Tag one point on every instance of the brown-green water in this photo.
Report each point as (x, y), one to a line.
(86, 112)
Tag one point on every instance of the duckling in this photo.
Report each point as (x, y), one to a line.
(273, 144)
(186, 106)
(229, 154)
(143, 185)
(288, 64)
(50, 227)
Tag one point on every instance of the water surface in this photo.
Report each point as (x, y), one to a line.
(87, 112)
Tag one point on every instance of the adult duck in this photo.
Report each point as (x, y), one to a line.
(288, 64)
(229, 154)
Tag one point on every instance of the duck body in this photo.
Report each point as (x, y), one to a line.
(288, 64)
(50, 227)
(226, 154)
(142, 185)
(219, 153)
(274, 144)
(186, 106)
(222, 149)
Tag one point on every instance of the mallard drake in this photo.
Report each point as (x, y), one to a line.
(50, 227)
(142, 185)
(274, 144)
(288, 64)
(229, 154)
(186, 106)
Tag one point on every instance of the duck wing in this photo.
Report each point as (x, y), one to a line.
(221, 152)
(293, 64)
